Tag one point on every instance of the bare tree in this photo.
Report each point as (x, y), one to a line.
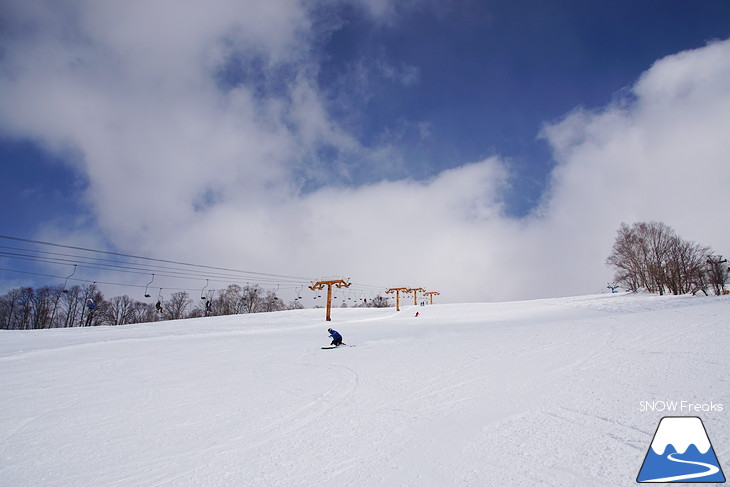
(628, 258)
(45, 304)
(200, 309)
(228, 301)
(142, 312)
(271, 302)
(717, 273)
(652, 256)
(73, 304)
(684, 267)
(54, 306)
(117, 311)
(377, 302)
(251, 299)
(177, 304)
(16, 309)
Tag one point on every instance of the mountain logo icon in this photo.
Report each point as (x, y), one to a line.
(680, 452)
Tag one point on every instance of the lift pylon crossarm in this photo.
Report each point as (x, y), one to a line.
(319, 285)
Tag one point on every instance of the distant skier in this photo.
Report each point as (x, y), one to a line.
(92, 307)
(158, 306)
(336, 337)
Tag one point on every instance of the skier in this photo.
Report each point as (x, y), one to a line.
(158, 306)
(336, 337)
(92, 307)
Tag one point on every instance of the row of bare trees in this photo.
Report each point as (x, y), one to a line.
(55, 307)
(49, 307)
(653, 257)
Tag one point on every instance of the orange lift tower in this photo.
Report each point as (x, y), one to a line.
(397, 291)
(319, 285)
(430, 295)
(415, 294)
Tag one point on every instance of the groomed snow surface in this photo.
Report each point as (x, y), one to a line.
(545, 392)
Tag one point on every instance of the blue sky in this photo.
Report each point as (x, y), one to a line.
(487, 75)
(148, 129)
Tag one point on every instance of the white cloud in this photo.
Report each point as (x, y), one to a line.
(660, 155)
(181, 167)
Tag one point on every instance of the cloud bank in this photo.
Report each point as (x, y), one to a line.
(204, 135)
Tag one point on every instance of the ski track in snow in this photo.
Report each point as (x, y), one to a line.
(539, 392)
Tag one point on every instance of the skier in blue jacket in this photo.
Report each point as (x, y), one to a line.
(336, 337)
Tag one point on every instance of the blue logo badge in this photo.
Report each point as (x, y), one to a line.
(681, 452)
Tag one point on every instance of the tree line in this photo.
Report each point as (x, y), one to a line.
(55, 307)
(653, 257)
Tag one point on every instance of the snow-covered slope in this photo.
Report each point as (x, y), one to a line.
(548, 392)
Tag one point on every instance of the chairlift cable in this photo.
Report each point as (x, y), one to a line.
(150, 259)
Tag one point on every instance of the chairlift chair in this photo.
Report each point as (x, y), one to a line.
(66, 281)
(202, 291)
(146, 293)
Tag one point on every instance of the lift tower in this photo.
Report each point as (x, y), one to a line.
(319, 285)
(397, 291)
(430, 295)
(415, 294)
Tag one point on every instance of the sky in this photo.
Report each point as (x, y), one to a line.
(488, 150)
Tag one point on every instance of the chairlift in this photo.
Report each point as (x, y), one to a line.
(66, 281)
(67, 278)
(158, 306)
(202, 291)
(146, 293)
